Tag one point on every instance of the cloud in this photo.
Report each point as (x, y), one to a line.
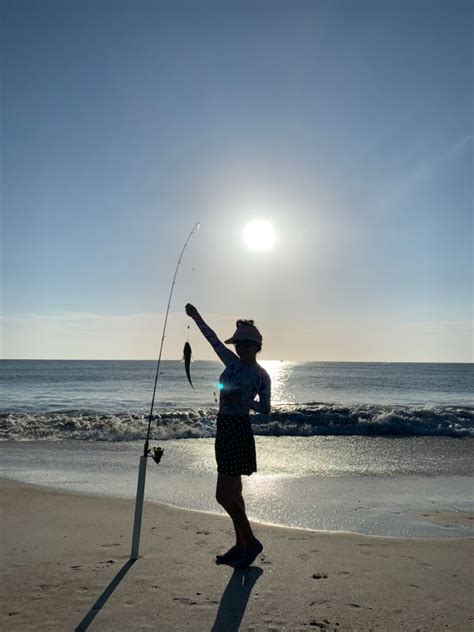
(437, 160)
(404, 184)
(85, 335)
(445, 327)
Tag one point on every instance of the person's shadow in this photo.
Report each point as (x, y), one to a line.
(234, 599)
(231, 608)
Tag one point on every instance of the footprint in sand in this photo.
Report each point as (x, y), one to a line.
(182, 600)
(319, 602)
(75, 567)
(106, 563)
(49, 586)
(37, 597)
(186, 601)
(322, 625)
(319, 576)
(103, 546)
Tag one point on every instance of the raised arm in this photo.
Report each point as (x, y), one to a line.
(225, 354)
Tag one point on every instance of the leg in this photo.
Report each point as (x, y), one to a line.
(239, 534)
(227, 488)
(238, 493)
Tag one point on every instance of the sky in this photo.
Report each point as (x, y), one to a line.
(346, 124)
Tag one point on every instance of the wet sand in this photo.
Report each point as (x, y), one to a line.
(65, 566)
(449, 519)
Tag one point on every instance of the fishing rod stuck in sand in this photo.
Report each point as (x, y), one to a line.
(155, 453)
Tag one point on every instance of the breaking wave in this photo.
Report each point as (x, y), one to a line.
(291, 420)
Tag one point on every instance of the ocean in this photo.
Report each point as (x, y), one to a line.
(361, 447)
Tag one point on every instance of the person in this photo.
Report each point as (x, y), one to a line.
(242, 380)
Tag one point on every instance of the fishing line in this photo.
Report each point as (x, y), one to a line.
(196, 227)
(157, 452)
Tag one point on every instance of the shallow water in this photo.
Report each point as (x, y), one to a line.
(361, 447)
(375, 486)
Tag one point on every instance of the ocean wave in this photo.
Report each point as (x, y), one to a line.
(310, 419)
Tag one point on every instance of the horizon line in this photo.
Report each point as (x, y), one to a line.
(218, 361)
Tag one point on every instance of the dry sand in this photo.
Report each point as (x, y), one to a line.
(65, 567)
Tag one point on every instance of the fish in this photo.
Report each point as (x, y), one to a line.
(187, 353)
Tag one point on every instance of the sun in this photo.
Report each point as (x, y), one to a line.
(259, 235)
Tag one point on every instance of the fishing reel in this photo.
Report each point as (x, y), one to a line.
(156, 454)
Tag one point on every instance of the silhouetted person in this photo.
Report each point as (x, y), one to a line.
(242, 380)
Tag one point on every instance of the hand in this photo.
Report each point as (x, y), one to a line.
(191, 311)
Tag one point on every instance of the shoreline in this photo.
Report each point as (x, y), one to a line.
(66, 566)
(445, 518)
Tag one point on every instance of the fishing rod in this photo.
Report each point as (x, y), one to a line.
(146, 450)
(196, 226)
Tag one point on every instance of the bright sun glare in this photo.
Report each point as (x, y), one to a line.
(259, 235)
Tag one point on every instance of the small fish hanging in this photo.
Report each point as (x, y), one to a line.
(187, 354)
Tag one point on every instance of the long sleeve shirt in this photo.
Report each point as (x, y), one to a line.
(239, 383)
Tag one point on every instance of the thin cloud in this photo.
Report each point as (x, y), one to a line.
(403, 185)
(439, 327)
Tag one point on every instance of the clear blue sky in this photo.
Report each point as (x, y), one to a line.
(348, 125)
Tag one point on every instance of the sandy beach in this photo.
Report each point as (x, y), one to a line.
(65, 566)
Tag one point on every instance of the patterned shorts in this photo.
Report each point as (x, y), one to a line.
(235, 445)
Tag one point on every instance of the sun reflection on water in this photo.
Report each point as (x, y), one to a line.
(280, 374)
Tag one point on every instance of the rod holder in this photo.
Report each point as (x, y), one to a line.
(137, 523)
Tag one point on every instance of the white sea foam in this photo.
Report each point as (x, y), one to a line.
(309, 419)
